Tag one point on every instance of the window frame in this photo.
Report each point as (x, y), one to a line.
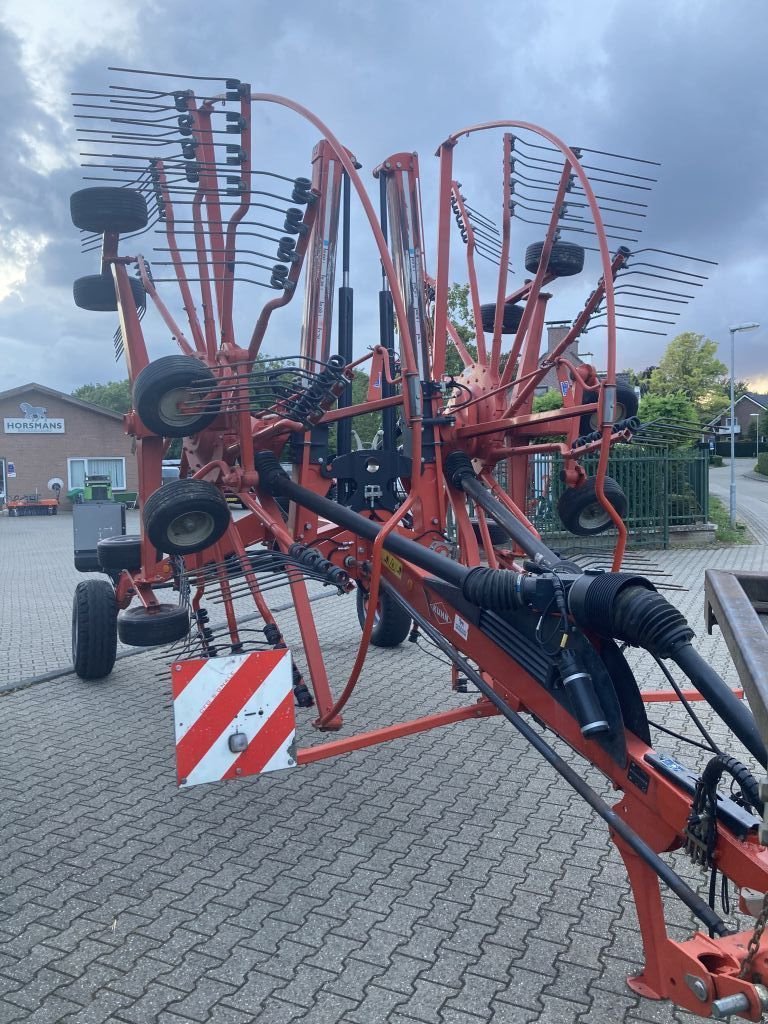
(94, 458)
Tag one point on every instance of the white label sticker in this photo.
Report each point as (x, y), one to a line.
(461, 627)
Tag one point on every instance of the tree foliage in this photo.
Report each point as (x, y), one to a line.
(690, 365)
(548, 401)
(460, 315)
(675, 407)
(115, 395)
(368, 424)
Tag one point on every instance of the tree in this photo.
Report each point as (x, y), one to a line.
(639, 378)
(676, 412)
(368, 424)
(690, 365)
(115, 396)
(460, 315)
(548, 401)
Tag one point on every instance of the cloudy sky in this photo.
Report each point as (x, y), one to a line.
(677, 81)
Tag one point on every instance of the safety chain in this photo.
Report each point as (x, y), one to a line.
(754, 942)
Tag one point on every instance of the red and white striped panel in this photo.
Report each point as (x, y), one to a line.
(216, 698)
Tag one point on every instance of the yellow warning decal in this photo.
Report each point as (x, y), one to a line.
(392, 563)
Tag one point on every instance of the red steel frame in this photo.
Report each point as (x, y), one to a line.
(495, 424)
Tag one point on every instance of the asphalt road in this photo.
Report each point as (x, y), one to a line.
(751, 494)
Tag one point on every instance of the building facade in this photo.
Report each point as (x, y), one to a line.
(48, 437)
(750, 410)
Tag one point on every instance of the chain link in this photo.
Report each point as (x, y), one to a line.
(754, 942)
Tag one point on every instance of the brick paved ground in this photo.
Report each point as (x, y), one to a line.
(448, 878)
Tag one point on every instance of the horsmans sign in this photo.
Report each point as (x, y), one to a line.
(39, 425)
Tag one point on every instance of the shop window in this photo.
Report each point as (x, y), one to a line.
(80, 468)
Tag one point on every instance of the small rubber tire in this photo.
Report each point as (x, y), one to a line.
(118, 553)
(103, 209)
(512, 316)
(565, 260)
(94, 629)
(96, 292)
(152, 627)
(582, 514)
(392, 623)
(185, 516)
(626, 407)
(165, 384)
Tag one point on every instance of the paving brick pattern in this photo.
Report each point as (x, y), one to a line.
(450, 878)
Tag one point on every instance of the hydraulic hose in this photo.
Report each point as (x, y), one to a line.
(495, 589)
(629, 608)
(459, 472)
(614, 821)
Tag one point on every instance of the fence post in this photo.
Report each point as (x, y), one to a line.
(704, 478)
(665, 499)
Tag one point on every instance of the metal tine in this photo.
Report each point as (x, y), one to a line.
(575, 188)
(662, 277)
(644, 309)
(121, 120)
(585, 149)
(526, 162)
(491, 241)
(617, 156)
(158, 131)
(170, 74)
(567, 227)
(569, 201)
(113, 107)
(126, 99)
(489, 256)
(673, 270)
(243, 280)
(650, 319)
(679, 255)
(679, 296)
(187, 189)
(596, 323)
(578, 150)
(651, 309)
(628, 293)
(96, 243)
(490, 224)
(223, 263)
(137, 90)
(584, 220)
(581, 220)
(606, 181)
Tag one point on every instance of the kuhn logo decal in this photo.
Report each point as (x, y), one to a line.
(439, 613)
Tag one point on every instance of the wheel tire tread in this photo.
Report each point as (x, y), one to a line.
(394, 623)
(106, 208)
(163, 375)
(140, 627)
(96, 293)
(162, 507)
(95, 611)
(574, 500)
(565, 259)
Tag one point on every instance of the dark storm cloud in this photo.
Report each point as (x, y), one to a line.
(670, 81)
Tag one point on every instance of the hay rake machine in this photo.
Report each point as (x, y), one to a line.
(419, 524)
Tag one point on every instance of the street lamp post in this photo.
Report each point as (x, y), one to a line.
(734, 330)
(756, 416)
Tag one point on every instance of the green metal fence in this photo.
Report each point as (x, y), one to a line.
(664, 487)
